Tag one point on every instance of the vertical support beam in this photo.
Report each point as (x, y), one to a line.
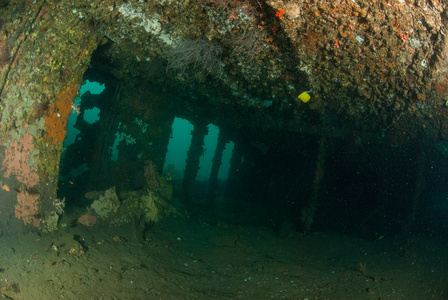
(100, 177)
(192, 163)
(307, 215)
(216, 164)
(419, 185)
(165, 140)
(265, 186)
(235, 167)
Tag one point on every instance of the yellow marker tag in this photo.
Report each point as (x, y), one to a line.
(305, 97)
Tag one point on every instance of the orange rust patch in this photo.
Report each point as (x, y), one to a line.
(365, 94)
(421, 97)
(310, 41)
(58, 114)
(441, 87)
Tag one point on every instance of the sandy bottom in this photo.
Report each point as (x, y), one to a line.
(180, 258)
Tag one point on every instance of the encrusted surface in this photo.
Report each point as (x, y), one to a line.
(57, 118)
(17, 161)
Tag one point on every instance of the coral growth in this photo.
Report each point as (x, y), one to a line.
(198, 54)
(50, 222)
(105, 205)
(87, 219)
(59, 205)
(57, 118)
(27, 208)
(151, 176)
(16, 161)
(150, 210)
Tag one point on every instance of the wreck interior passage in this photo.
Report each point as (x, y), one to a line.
(142, 165)
(223, 149)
